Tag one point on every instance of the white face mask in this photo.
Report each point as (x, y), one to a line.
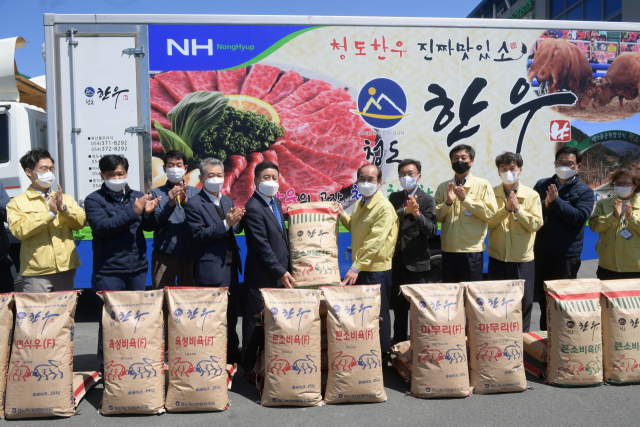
(214, 185)
(269, 188)
(175, 175)
(509, 177)
(116, 185)
(45, 179)
(623, 191)
(367, 189)
(408, 182)
(565, 172)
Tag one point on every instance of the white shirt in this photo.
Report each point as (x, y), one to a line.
(46, 196)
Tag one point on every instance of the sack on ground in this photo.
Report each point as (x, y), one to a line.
(133, 343)
(620, 332)
(494, 319)
(292, 347)
(353, 334)
(313, 235)
(197, 343)
(439, 357)
(40, 378)
(575, 332)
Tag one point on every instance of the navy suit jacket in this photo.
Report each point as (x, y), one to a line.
(267, 244)
(210, 238)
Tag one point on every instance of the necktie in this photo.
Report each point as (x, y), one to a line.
(406, 200)
(275, 212)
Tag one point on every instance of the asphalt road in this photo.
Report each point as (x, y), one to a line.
(540, 405)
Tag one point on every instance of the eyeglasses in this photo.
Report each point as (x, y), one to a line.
(623, 184)
(43, 169)
(411, 174)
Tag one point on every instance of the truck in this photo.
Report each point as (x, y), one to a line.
(322, 96)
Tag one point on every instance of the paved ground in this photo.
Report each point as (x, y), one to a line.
(542, 404)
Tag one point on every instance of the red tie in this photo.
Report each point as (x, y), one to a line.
(406, 200)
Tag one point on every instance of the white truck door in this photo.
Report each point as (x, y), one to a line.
(99, 100)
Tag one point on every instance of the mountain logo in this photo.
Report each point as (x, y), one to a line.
(382, 103)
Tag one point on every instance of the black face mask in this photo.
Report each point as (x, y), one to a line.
(460, 167)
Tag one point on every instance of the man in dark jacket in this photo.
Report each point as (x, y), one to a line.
(212, 221)
(567, 204)
(117, 216)
(6, 278)
(173, 250)
(416, 211)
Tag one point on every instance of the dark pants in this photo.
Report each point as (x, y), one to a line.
(6, 278)
(552, 267)
(115, 282)
(384, 279)
(604, 274)
(403, 276)
(500, 270)
(166, 268)
(462, 267)
(252, 336)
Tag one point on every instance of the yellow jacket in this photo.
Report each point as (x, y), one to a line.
(511, 236)
(47, 242)
(460, 232)
(374, 231)
(616, 253)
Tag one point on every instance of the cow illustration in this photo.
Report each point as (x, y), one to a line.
(370, 360)
(622, 80)
(181, 368)
(430, 356)
(46, 370)
(280, 366)
(343, 361)
(210, 366)
(114, 371)
(19, 372)
(594, 367)
(304, 365)
(141, 369)
(513, 351)
(571, 367)
(457, 354)
(487, 353)
(625, 363)
(325, 267)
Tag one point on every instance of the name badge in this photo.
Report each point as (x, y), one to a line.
(626, 233)
(467, 213)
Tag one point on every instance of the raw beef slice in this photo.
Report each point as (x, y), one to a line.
(233, 167)
(176, 83)
(331, 111)
(302, 177)
(160, 98)
(243, 188)
(288, 83)
(304, 93)
(157, 116)
(341, 169)
(203, 80)
(349, 146)
(259, 80)
(230, 81)
(321, 101)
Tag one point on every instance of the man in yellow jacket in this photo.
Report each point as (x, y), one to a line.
(512, 230)
(464, 206)
(374, 230)
(43, 221)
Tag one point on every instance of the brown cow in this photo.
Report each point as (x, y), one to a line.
(564, 66)
(622, 80)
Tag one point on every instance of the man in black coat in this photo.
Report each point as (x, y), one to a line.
(6, 278)
(267, 263)
(212, 220)
(416, 211)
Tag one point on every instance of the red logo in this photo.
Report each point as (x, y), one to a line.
(560, 131)
(125, 97)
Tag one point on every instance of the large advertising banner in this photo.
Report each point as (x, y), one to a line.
(322, 101)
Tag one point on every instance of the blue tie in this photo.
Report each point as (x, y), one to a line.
(276, 213)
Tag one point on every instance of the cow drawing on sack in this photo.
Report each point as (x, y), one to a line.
(370, 360)
(114, 371)
(571, 367)
(487, 353)
(280, 366)
(304, 365)
(210, 366)
(456, 354)
(430, 356)
(181, 368)
(513, 351)
(343, 361)
(625, 363)
(594, 367)
(19, 372)
(140, 369)
(325, 267)
(48, 369)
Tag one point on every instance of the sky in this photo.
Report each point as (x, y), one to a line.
(24, 18)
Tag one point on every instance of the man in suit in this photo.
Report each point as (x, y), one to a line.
(267, 263)
(212, 220)
(416, 212)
